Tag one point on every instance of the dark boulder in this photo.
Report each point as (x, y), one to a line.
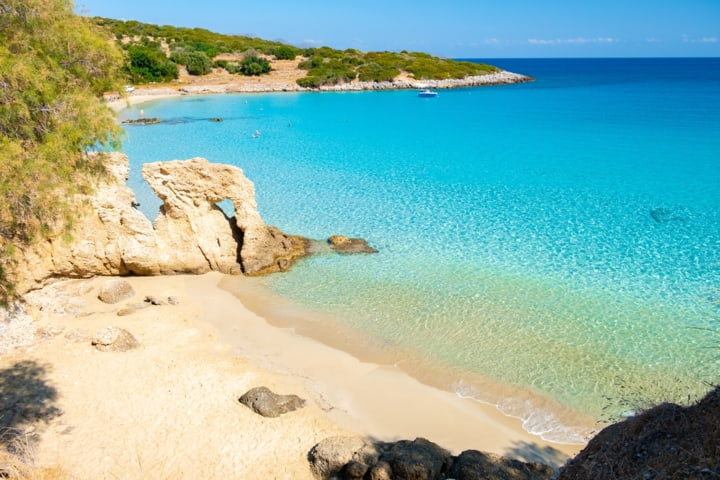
(419, 459)
(353, 458)
(475, 465)
(329, 458)
(354, 471)
(269, 404)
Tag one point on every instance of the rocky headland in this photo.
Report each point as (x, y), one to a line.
(191, 234)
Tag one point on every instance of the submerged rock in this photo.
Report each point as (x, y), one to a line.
(665, 215)
(345, 245)
(142, 121)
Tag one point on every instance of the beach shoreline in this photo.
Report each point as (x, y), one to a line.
(179, 389)
(284, 81)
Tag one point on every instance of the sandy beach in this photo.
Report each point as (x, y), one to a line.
(169, 408)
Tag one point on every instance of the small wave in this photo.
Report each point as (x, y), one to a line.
(535, 419)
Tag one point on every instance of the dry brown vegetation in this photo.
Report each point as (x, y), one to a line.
(665, 442)
(16, 462)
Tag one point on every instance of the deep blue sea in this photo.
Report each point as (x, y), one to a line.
(552, 248)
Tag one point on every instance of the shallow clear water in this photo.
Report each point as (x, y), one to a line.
(561, 238)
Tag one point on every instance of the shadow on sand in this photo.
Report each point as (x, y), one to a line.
(26, 399)
(532, 452)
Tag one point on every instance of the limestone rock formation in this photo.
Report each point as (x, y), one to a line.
(191, 233)
(267, 403)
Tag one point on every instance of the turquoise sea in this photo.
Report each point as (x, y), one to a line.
(552, 248)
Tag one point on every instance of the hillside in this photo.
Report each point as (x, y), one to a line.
(161, 53)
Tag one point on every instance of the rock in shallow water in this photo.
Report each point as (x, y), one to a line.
(347, 245)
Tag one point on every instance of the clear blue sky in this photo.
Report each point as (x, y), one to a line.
(451, 28)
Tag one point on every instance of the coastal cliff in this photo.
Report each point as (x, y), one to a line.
(190, 235)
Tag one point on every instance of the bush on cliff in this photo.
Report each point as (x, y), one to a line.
(54, 67)
(198, 63)
(147, 63)
(252, 65)
(285, 52)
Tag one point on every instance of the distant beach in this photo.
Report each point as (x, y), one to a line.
(283, 79)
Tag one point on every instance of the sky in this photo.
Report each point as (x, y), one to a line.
(451, 28)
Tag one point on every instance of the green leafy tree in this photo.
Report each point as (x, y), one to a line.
(54, 68)
(198, 63)
(180, 57)
(252, 65)
(285, 53)
(149, 64)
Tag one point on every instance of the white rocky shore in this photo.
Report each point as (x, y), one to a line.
(284, 85)
(500, 78)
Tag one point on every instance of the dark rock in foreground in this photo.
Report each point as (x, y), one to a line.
(353, 458)
(475, 465)
(265, 402)
(666, 442)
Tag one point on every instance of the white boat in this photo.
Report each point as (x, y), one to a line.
(427, 93)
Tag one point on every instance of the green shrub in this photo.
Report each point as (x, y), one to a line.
(180, 57)
(252, 65)
(233, 67)
(147, 64)
(309, 82)
(373, 72)
(209, 49)
(285, 53)
(198, 63)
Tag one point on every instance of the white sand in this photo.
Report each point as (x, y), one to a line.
(169, 408)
